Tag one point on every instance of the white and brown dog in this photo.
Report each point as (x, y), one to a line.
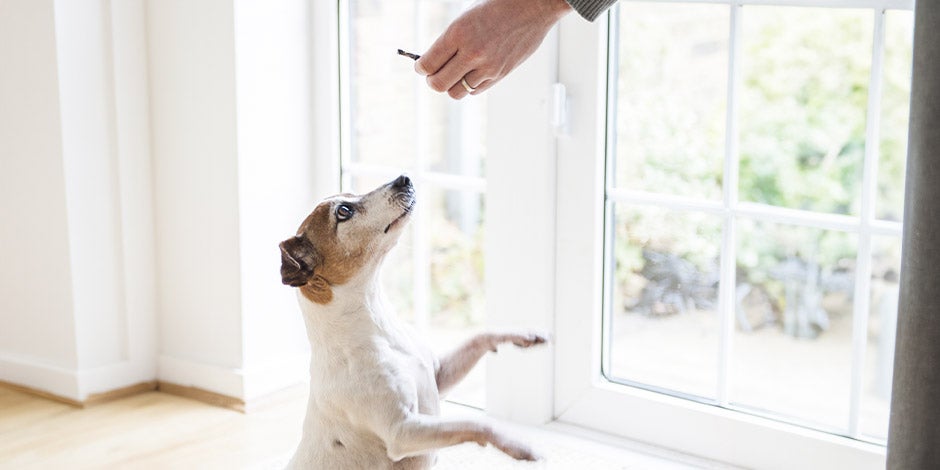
(374, 388)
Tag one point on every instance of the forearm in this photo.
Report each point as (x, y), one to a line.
(590, 9)
(456, 365)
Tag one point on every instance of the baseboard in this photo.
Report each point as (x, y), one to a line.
(236, 389)
(205, 396)
(218, 380)
(230, 388)
(41, 394)
(244, 386)
(119, 393)
(92, 400)
(40, 378)
(77, 387)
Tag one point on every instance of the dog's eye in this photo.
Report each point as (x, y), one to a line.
(344, 212)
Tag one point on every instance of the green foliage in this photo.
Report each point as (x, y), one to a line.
(457, 290)
(671, 98)
(803, 112)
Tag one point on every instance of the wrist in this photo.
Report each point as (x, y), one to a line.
(557, 8)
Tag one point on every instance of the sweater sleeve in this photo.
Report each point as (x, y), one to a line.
(590, 9)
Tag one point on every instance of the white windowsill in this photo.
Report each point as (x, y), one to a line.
(564, 446)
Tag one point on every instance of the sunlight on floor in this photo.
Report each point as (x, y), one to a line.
(158, 430)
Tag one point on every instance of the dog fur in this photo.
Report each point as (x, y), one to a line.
(374, 388)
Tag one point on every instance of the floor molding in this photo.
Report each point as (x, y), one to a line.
(205, 396)
(117, 394)
(41, 394)
(194, 393)
(92, 400)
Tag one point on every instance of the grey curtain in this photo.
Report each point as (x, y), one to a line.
(914, 430)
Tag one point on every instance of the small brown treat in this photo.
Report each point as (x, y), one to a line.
(408, 54)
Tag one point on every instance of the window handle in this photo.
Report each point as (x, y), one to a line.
(559, 109)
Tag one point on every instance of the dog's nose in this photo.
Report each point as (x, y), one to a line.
(401, 182)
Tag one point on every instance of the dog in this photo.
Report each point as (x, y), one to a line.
(375, 389)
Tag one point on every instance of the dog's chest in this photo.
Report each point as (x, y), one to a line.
(419, 369)
(378, 372)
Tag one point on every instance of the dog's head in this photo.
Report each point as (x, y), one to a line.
(344, 235)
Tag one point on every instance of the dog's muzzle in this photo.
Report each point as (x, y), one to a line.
(404, 197)
(404, 194)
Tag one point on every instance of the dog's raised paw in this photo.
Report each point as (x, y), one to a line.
(531, 456)
(526, 340)
(517, 450)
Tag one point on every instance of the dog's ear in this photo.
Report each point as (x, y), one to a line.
(298, 260)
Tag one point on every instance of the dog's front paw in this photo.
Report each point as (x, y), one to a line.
(525, 340)
(516, 450)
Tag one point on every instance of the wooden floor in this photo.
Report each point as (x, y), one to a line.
(158, 430)
(149, 430)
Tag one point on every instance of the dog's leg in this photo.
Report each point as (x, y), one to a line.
(419, 434)
(455, 366)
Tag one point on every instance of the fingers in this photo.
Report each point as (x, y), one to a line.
(451, 73)
(486, 85)
(436, 56)
(444, 64)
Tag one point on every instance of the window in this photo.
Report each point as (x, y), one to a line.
(751, 201)
(749, 267)
(392, 123)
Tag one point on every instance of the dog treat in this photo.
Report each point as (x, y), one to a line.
(408, 54)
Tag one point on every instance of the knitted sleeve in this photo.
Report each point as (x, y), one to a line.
(590, 9)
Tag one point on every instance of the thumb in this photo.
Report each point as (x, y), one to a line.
(436, 56)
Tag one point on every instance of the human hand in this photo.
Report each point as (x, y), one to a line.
(487, 42)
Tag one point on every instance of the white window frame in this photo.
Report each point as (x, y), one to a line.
(583, 396)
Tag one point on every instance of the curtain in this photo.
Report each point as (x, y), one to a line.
(914, 429)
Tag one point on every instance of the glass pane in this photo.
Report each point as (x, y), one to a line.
(793, 341)
(803, 106)
(882, 322)
(664, 309)
(396, 119)
(457, 283)
(383, 88)
(671, 98)
(895, 109)
(456, 133)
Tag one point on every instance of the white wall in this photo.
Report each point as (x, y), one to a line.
(89, 156)
(192, 63)
(121, 268)
(77, 312)
(37, 345)
(275, 168)
(233, 174)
